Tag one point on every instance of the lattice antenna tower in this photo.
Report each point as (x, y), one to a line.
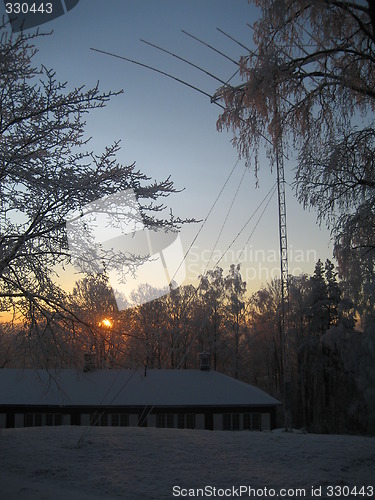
(284, 276)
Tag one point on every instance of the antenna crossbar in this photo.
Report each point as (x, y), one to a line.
(168, 75)
(233, 39)
(185, 61)
(209, 46)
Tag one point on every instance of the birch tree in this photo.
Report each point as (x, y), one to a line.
(310, 83)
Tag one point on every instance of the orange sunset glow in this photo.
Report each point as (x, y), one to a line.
(107, 323)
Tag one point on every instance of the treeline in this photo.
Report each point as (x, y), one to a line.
(330, 343)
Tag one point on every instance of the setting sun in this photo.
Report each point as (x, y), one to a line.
(106, 323)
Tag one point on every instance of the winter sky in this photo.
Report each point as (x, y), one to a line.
(169, 129)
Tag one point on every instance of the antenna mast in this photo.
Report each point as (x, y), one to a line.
(286, 371)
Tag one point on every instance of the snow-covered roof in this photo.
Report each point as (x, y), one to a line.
(127, 388)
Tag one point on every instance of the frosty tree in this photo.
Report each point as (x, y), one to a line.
(312, 78)
(46, 173)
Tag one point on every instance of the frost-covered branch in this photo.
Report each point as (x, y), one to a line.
(47, 175)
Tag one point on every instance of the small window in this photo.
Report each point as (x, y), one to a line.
(160, 420)
(124, 420)
(120, 419)
(53, 419)
(190, 421)
(181, 421)
(227, 422)
(167, 420)
(38, 419)
(49, 419)
(251, 421)
(142, 420)
(236, 422)
(94, 419)
(100, 419)
(58, 418)
(170, 420)
(256, 421)
(29, 419)
(33, 419)
(247, 421)
(186, 420)
(231, 422)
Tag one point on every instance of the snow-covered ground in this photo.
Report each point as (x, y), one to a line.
(61, 463)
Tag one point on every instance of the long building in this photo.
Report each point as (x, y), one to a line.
(196, 399)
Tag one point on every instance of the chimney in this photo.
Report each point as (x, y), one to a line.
(204, 361)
